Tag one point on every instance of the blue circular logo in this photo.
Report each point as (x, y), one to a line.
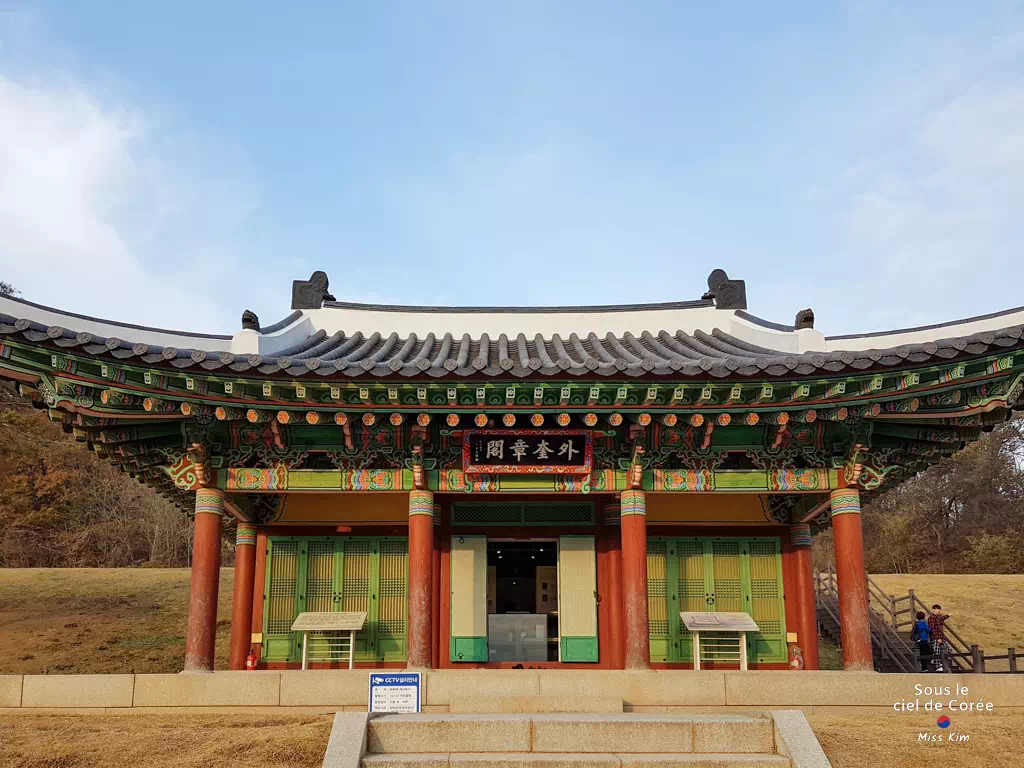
(943, 722)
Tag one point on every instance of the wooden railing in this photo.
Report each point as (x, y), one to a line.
(890, 645)
(898, 614)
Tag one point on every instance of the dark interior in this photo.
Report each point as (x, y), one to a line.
(516, 571)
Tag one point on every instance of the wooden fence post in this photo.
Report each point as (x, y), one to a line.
(1012, 653)
(978, 660)
(892, 612)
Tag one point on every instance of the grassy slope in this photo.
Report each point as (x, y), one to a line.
(984, 609)
(78, 620)
(981, 609)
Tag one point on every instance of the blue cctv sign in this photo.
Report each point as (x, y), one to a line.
(396, 693)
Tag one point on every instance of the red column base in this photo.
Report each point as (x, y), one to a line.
(807, 620)
(201, 634)
(634, 581)
(241, 605)
(421, 563)
(852, 582)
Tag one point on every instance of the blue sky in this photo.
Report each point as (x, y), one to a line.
(176, 163)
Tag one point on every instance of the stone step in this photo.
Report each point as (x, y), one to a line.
(571, 760)
(569, 733)
(490, 705)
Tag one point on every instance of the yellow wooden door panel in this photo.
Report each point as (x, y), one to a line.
(577, 598)
(469, 586)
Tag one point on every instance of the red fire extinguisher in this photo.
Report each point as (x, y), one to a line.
(251, 660)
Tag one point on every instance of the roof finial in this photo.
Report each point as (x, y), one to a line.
(250, 322)
(726, 293)
(311, 294)
(804, 319)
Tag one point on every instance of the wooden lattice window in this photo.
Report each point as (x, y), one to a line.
(522, 513)
(337, 574)
(715, 574)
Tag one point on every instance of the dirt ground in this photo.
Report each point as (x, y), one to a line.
(163, 741)
(883, 741)
(79, 620)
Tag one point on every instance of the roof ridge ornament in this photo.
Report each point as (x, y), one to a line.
(726, 293)
(804, 319)
(250, 322)
(311, 294)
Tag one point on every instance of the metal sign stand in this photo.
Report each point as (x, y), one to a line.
(723, 648)
(337, 647)
(342, 644)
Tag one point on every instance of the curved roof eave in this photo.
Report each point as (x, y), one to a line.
(48, 317)
(922, 334)
(682, 339)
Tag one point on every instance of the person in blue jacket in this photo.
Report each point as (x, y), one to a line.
(922, 635)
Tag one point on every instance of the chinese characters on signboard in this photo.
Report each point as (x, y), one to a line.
(495, 451)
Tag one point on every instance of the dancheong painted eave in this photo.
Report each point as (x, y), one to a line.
(710, 337)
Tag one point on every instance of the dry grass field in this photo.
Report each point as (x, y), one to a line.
(78, 620)
(213, 741)
(163, 741)
(882, 741)
(984, 609)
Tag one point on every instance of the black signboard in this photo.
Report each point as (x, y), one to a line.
(535, 451)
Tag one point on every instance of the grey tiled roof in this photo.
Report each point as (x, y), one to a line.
(654, 353)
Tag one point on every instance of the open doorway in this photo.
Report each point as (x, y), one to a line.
(522, 600)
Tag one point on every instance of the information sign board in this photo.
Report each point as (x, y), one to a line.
(326, 621)
(395, 692)
(718, 622)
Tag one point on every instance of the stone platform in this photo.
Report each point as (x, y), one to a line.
(527, 690)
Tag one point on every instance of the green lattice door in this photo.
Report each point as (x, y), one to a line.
(281, 599)
(765, 598)
(334, 574)
(691, 579)
(714, 574)
(661, 604)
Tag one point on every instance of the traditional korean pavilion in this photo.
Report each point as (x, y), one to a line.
(513, 486)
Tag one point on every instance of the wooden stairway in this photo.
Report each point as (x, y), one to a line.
(892, 619)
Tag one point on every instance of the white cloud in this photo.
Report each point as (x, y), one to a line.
(931, 224)
(106, 212)
(947, 214)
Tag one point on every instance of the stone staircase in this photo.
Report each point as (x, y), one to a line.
(564, 740)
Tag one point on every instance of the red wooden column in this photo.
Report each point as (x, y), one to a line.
(435, 592)
(241, 604)
(201, 635)
(852, 580)
(613, 537)
(633, 510)
(421, 563)
(803, 588)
